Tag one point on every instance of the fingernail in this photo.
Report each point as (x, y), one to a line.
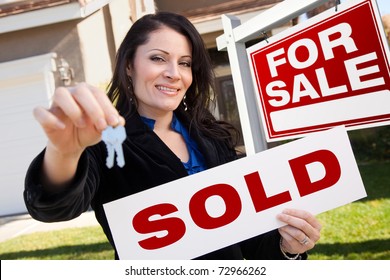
(101, 124)
(113, 120)
(280, 216)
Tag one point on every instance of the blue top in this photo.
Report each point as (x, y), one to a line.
(196, 161)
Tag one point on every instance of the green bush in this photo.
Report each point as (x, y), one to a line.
(372, 144)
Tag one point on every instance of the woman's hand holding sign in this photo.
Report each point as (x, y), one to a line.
(301, 232)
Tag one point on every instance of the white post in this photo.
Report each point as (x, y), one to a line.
(250, 121)
(233, 40)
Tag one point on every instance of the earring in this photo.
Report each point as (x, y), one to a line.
(130, 83)
(130, 89)
(130, 93)
(185, 104)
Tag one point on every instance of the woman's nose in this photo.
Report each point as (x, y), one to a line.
(172, 72)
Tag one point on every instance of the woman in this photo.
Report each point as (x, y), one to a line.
(162, 90)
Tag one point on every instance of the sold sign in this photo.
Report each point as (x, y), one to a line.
(224, 205)
(327, 71)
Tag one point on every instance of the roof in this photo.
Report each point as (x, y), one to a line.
(20, 6)
(23, 14)
(228, 7)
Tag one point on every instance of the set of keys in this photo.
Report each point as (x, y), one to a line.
(113, 137)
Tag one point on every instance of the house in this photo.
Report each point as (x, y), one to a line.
(49, 43)
(44, 44)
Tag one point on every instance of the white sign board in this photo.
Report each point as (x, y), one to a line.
(327, 71)
(221, 206)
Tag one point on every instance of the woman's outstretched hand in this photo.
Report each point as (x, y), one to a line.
(75, 120)
(77, 117)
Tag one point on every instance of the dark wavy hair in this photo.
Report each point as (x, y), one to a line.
(200, 96)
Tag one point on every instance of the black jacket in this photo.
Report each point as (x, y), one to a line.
(145, 154)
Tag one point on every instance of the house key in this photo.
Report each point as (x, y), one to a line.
(113, 137)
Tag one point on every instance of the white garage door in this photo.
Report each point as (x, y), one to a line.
(24, 84)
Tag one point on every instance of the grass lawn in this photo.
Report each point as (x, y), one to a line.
(88, 243)
(360, 230)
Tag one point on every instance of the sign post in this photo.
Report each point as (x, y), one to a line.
(330, 70)
(233, 40)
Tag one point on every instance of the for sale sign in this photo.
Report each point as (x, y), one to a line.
(330, 70)
(224, 205)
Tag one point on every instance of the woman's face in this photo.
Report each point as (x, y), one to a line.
(161, 72)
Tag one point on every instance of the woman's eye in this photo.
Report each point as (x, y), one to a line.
(185, 63)
(157, 58)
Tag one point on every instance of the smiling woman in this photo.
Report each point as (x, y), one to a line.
(161, 74)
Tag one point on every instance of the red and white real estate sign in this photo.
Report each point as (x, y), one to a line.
(221, 206)
(330, 70)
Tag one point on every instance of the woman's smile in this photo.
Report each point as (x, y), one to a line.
(168, 89)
